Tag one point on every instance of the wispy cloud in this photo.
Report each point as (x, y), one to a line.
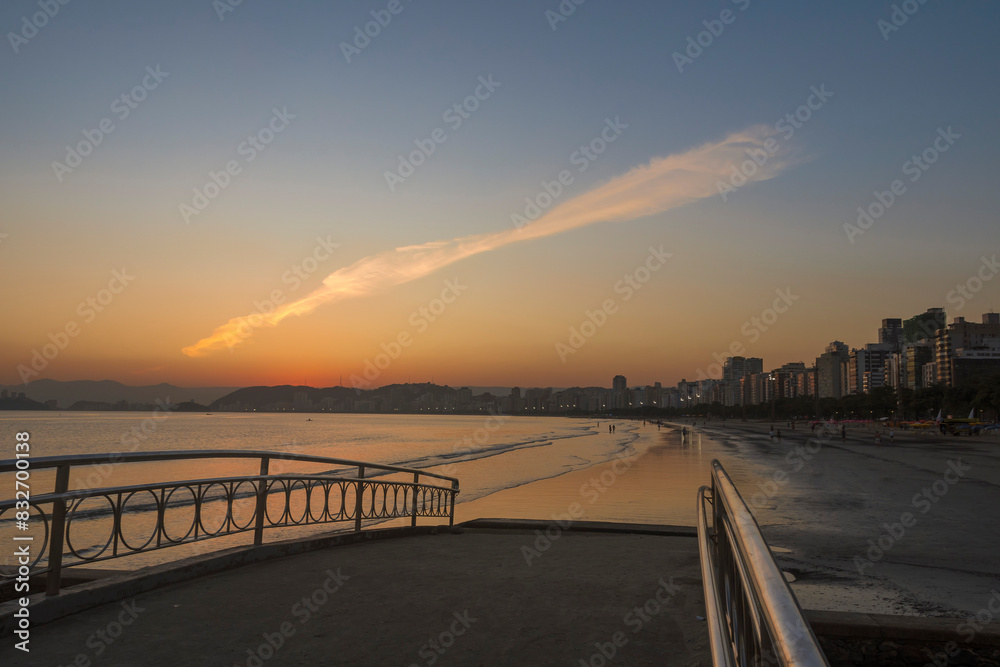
(663, 184)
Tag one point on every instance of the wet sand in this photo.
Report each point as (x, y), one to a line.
(835, 513)
(656, 483)
(818, 509)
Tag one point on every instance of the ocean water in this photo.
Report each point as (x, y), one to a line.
(517, 467)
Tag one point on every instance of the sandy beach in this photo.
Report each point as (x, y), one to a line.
(904, 527)
(833, 511)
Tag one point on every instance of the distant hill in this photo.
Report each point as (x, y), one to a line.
(14, 403)
(109, 391)
(400, 397)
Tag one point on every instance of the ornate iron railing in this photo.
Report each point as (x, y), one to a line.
(753, 616)
(218, 506)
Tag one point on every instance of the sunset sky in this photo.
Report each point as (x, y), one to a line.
(313, 251)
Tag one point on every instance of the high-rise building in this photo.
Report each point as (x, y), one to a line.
(830, 369)
(923, 327)
(917, 356)
(964, 350)
(866, 368)
(891, 333)
(619, 392)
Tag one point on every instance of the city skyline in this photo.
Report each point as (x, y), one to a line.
(567, 196)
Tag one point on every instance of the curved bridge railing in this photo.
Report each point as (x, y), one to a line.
(113, 522)
(753, 616)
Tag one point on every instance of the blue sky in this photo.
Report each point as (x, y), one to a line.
(325, 173)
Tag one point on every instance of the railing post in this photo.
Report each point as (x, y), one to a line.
(451, 516)
(357, 499)
(416, 481)
(258, 531)
(58, 531)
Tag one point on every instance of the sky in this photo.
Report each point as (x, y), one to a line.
(526, 193)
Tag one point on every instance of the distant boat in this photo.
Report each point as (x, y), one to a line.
(208, 414)
(309, 420)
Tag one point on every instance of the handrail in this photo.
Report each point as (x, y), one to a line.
(78, 494)
(754, 608)
(37, 462)
(306, 499)
(717, 638)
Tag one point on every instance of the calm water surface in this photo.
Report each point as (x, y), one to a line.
(516, 467)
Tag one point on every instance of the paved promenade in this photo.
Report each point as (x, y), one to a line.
(482, 597)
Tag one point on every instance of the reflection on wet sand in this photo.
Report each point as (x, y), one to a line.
(657, 485)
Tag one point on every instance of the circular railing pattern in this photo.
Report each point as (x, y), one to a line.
(10, 532)
(105, 524)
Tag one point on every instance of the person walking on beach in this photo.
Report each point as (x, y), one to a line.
(779, 434)
(771, 432)
(878, 438)
(892, 435)
(843, 433)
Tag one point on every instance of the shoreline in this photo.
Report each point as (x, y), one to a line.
(830, 511)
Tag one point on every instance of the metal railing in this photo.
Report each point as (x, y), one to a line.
(218, 506)
(753, 616)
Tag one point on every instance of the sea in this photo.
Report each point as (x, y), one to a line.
(507, 466)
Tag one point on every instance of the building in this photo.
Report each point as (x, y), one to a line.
(830, 368)
(917, 356)
(966, 350)
(891, 333)
(923, 327)
(866, 368)
(619, 392)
